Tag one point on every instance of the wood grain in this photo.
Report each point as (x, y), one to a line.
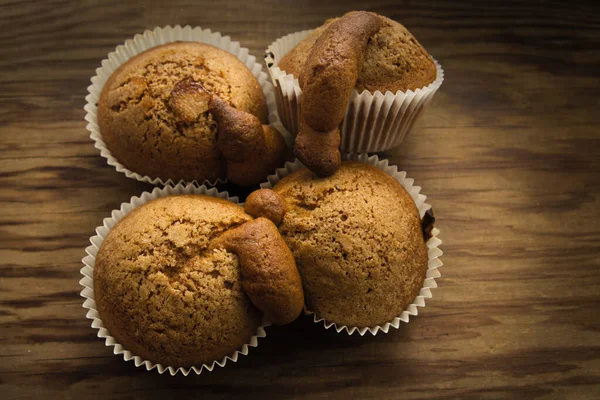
(508, 153)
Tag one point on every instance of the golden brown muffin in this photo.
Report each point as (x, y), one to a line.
(178, 279)
(158, 128)
(357, 240)
(163, 294)
(360, 50)
(394, 60)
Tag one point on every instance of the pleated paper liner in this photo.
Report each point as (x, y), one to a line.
(374, 122)
(87, 281)
(434, 252)
(153, 38)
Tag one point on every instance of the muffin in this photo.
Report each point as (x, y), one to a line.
(155, 116)
(380, 79)
(358, 244)
(173, 286)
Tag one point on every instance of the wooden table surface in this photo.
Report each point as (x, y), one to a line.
(508, 153)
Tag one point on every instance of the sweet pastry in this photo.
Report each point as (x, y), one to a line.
(360, 50)
(358, 243)
(180, 280)
(155, 117)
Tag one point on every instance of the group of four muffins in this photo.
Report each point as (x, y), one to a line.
(184, 278)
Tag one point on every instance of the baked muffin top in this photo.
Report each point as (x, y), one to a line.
(163, 294)
(394, 59)
(156, 125)
(357, 240)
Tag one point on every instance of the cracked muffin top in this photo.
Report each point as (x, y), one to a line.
(394, 60)
(358, 244)
(163, 293)
(155, 126)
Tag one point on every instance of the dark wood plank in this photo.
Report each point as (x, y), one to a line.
(508, 153)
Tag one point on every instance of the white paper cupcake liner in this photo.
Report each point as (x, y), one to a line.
(88, 281)
(433, 243)
(374, 121)
(156, 37)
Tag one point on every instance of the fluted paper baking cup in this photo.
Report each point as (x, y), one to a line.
(152, 38)
(87, 281)
(373, 121)
(433, 243)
